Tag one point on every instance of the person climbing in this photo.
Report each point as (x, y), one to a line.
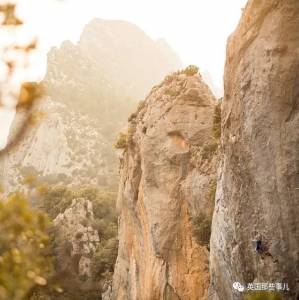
(261, 248)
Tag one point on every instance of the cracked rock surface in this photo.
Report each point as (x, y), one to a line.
(258, 181)
(166, 173)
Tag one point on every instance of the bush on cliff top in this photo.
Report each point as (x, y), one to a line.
(121, 142)
(191, 70)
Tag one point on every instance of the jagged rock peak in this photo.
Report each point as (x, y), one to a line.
(115, 53)
(129, 35)
(101, 33)
(167, 173)
(124, 50)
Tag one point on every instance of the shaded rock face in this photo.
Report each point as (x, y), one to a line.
(61, 147)
(258, 181)
(73, 226)
(165, 179)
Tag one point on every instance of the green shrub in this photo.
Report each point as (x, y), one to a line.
(55, 200)
(23, 240)
(191, 70)
(209, 150)
(202, 228)
(217, 121)
(104, 259)
(29, 180)
(264, 295)
(212, 190)
(121, 142)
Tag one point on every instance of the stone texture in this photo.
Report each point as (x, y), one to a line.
(166, 173)
(62, 147)
(258, 180)
(74, 225)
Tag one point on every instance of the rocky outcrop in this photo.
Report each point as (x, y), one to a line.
(74, 227)
(167, 171)
(60, 147)
(255, 232)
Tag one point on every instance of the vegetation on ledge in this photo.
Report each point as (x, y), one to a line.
(121, 142)
(202, 228)
(217, 121)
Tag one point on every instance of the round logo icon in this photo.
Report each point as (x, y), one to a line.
(238, 286)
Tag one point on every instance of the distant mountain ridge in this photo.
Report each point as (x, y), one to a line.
(131, 52)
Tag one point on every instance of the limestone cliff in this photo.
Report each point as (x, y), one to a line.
(167, 173)
(255, 232)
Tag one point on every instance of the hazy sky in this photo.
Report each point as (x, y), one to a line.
(196, 29)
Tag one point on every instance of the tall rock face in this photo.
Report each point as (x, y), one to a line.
(167, 171)
(255, 232)
(91, 88)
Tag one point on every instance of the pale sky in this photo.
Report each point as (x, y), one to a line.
(196, 29)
